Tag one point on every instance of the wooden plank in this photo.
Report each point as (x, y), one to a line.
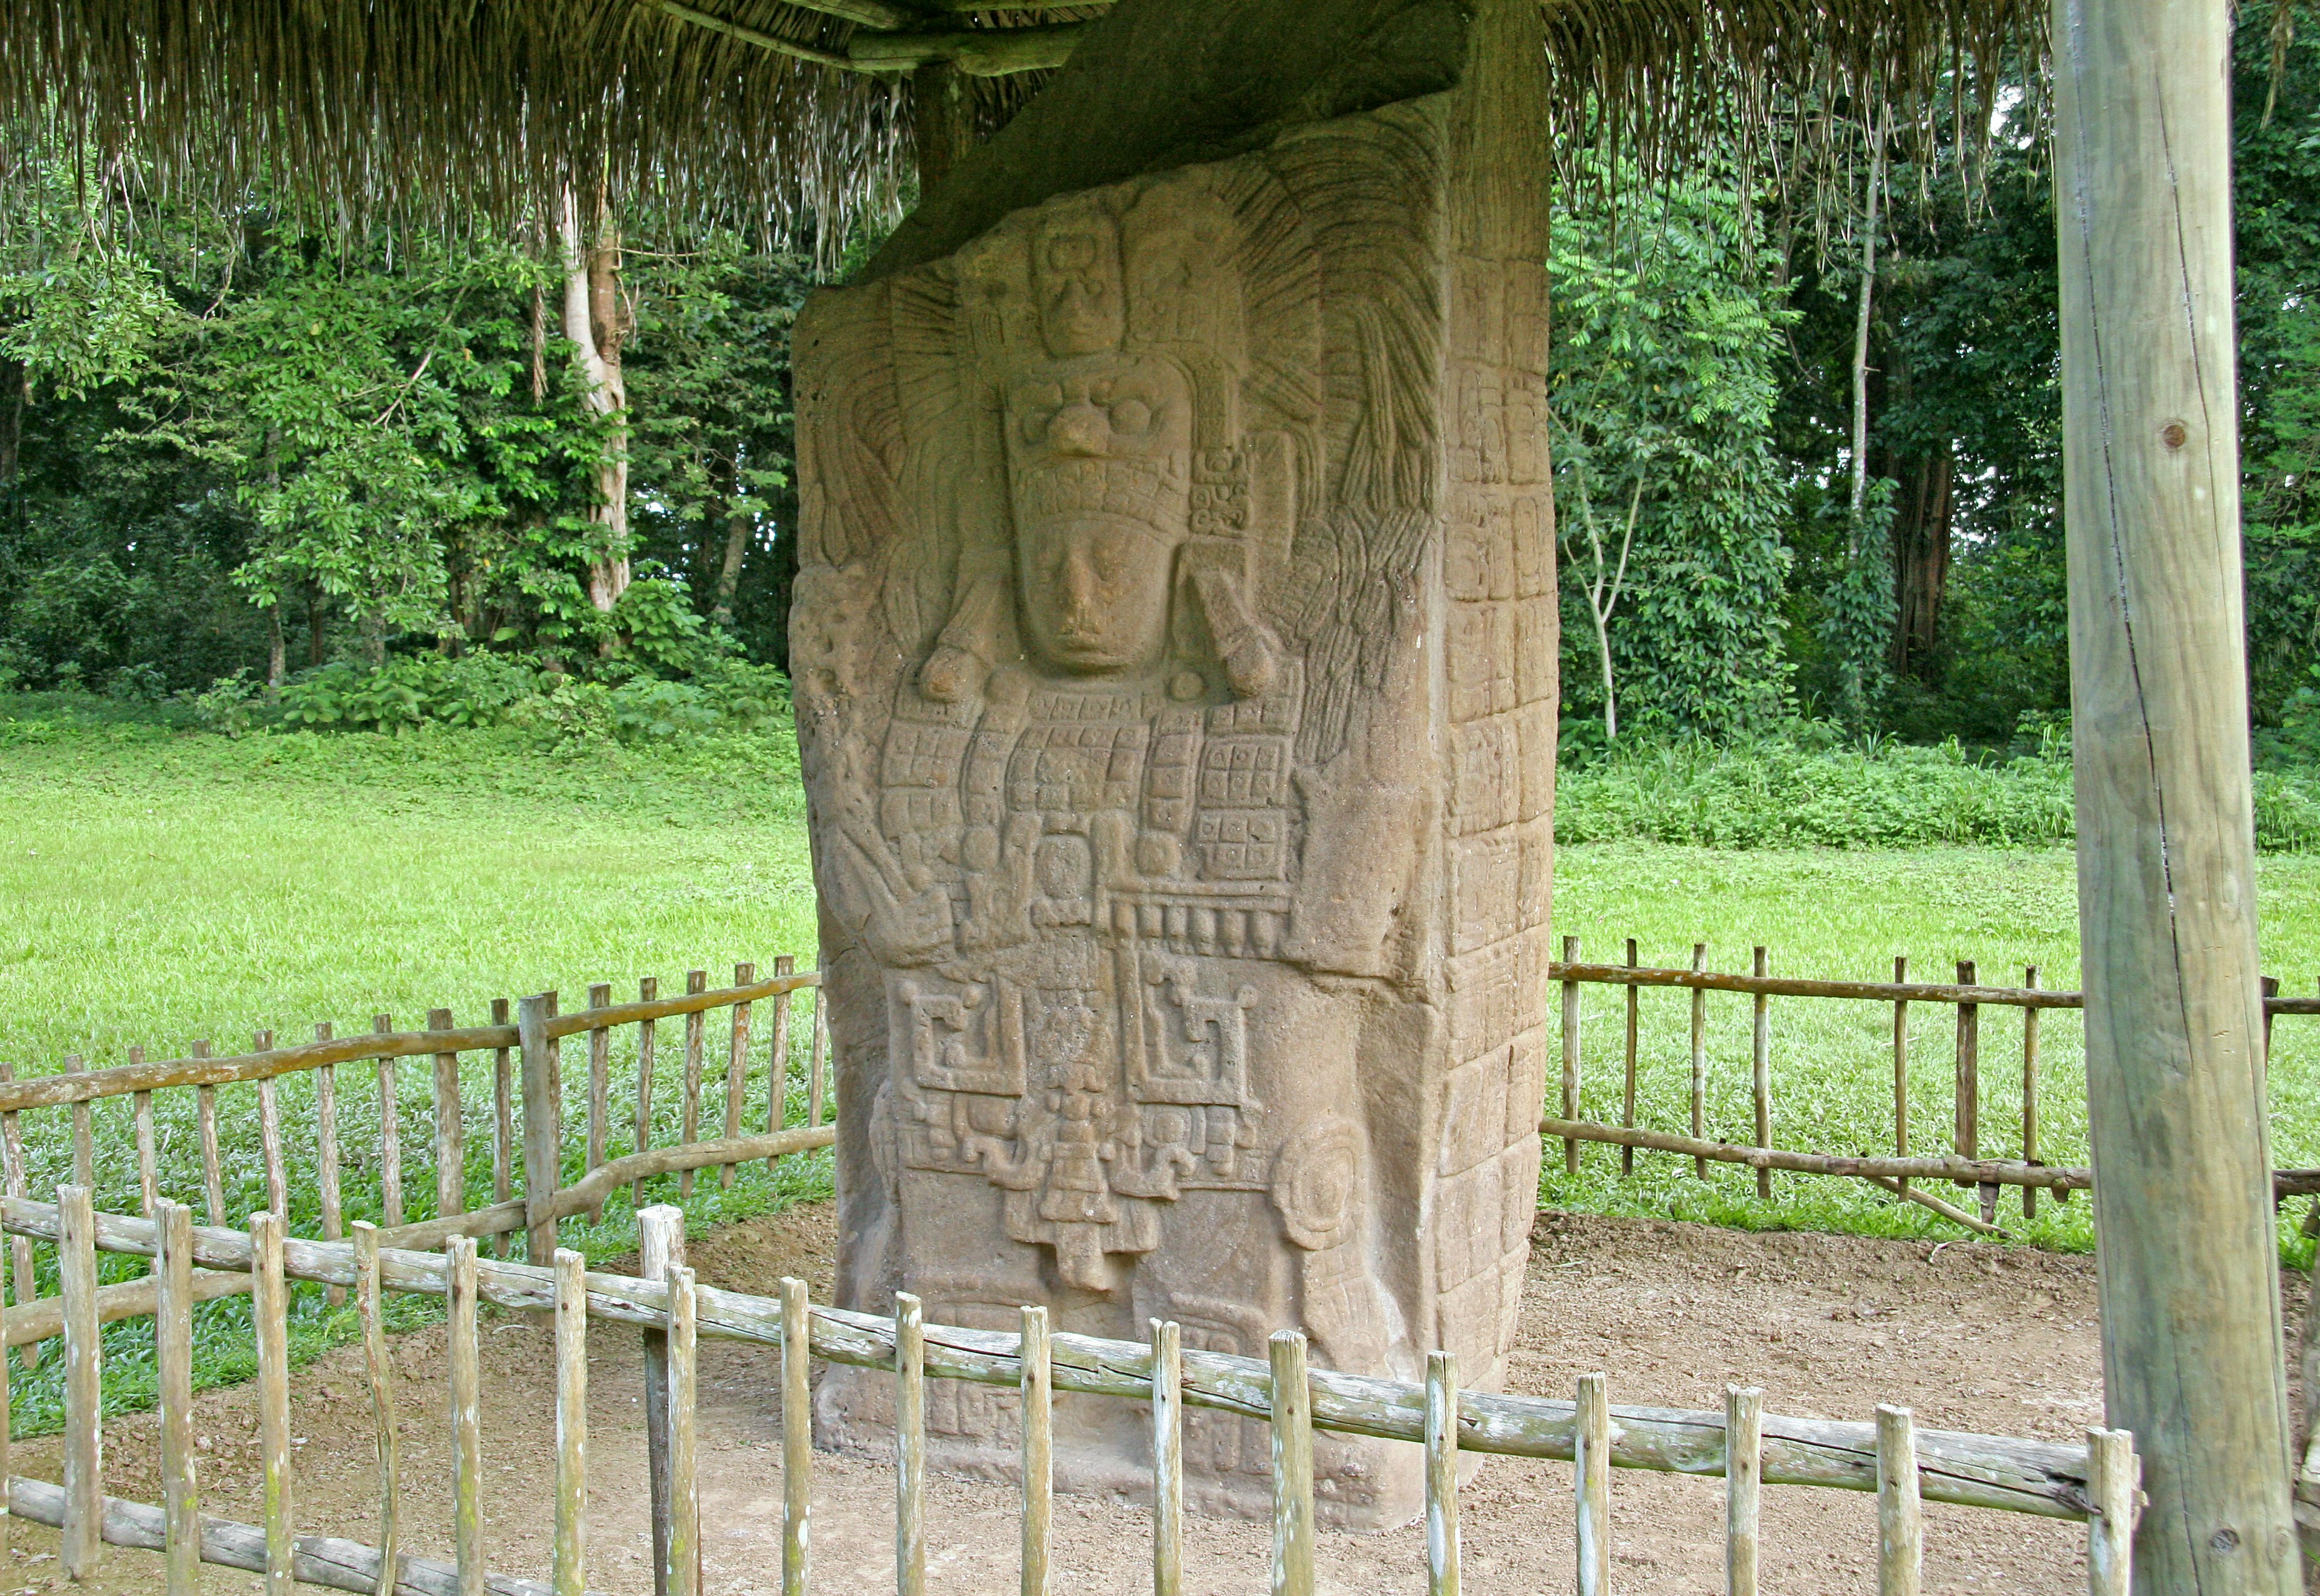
(600, 1085)
(1570, 1055)
(390, 1128)
(270, 1143)
(84, 1144)
(648, 989)
(570, 1578)
(465, 1370)
(696, 981)
(1593, 1486)
(20, 1248)
(379, 1369)
(702, 1154)
(269, 1313)
(205, 1118)
(1744, 1480)
(2030, 1094)
(736, 1070)
(797, 1438)
(1879, 992)
(683, 1564)
(1627, 1093)
(1901, 1517)
(1442, 1561)
(1036, 1389)
(543, 1128)
(818, 1059)
(450, 1127)
(326, 1152)
(660, 1251)
(1760, 1074)
(1902, 1061)
(910, 1446)
(1167, 1459)
(1290, 1405)
(1999, 1171)
(2113, 1481)
(81, 1546)
(149, 1171)
(1700, 1058)
(777, 1061)
(502, 1122)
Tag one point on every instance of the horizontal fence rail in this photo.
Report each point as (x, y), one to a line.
(1902, 1465)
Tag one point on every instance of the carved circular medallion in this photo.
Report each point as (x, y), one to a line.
(1316, 1184)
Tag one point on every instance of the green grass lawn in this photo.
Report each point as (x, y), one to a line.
(164, 885)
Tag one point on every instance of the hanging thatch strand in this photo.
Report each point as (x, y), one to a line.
(795, 114)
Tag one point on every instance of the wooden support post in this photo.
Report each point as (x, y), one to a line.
(1760, 1072)
(205, 1127)
(1037, 1390)
(1901, 1065)
(326, 1153)
(20, 1248)
(1442, 1571)
(697, 982)
(82, 1544)
(797, 1438)
(600, 1089)
(1167, 1459)
(370, 1308)
(149, 1164)
(1743, 1484)
(683, 1566)
(269, 1145)
(1627, 1094)
(1592, 1485)
(1570, 1055)
(2030, 1091)
(2113, 1480)
(173, 1367)
(648, 1035)
(777, 1060)
(736, 1070)
(909, 1446)
(660, 1252)
(1900, 1514)
(450, 1128)
(817, 1060)
(503, 1124)
(465, 1371)
(1968, 1105)
(543, 1128)
(1700, 1058)
(2192, 1357)
(570, 1575)
(1292, 1466)
(270, 1313)
(390, 1130)
(84, 1141)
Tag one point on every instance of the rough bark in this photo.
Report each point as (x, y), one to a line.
(597, 323)
(941, 122)
(276, 654)
(1921, 555)
(738, 524)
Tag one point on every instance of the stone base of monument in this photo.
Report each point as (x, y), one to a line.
(1103, 1447)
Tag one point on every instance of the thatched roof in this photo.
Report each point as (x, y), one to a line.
(795, 112)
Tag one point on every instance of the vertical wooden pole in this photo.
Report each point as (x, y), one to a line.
(1743, 1485)
(1759, 1075)
(2113, 1478)
(173, 1367)
(1167, 1459)
(503, 1124)
(543, 1127)
(8, 1468)
(20, 1248)
(450, 1127)
(2030, 1091)
(390, 1130)
(910, 1446)
(269, 1313)
(1700, 1058)
(1900, 1514)
(1967, 1092)
(81, 1545)
(205, 1125)
(1293, 1467)
(647, 990)
(466, 1419)
(1901, 1067)
(1592, 1485)
(683, 1566)
(370, 1308)
(1570, 1055)
(777, 1063)
(660, 1252)
(697, 982)
(148, 1162)
(270, 1146)
(1442, 1570)
(326, 1154)
(600, 1087)
(1037, 1395)
(797, 1438)
(571, 1424)
(1627, 1096)
(83, 1142)
(818, 1059)
(736, 1069)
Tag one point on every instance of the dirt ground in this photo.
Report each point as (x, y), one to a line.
(1973, 1335)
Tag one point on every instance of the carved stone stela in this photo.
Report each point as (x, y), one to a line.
(1174, 644)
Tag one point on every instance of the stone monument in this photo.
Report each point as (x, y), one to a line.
(1174, 652)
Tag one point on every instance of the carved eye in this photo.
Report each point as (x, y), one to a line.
(1131, 416)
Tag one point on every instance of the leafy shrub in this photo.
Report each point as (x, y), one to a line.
(226, 708)
(722, 697)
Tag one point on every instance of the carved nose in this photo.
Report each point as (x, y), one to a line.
(1079, 430)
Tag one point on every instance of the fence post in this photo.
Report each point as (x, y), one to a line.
(269, 1313)
(697, 982)
(1900, 1513)
(910, 1446)
(389, 1130)
(1700, 1058)
(1968, 1091)
(543, 1128)
(683, 1566)
(380, 1373)
(326, 1153)
(571, 1424)
(1761, 1071)
(82, 1544)
(648, 1033)
(1038, 1387)
(1570, 1056)
(1901, 1067)
(1593, 1485)
(599, 1088)
(660, 1251)
(83, 1143)
(1442, 1474)
(777, 1065)
(797, 1438)
(502, 1125)
(20, 1248)
(1293, 1467)
(205, 1118)
(2030, 1091)
(173, 1366)
(2113, 1473)
(1167, 1459)
(450, 1132)
(467, 1416)
(736, 1069)
(1627, 1097)
(1743, 1482)
(149, 1167)
(818, 1059)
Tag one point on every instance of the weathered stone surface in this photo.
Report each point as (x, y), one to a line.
(1175, 651)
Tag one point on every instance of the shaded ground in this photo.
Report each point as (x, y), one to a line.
(1974, 1337)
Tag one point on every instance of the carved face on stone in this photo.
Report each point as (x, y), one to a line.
(1075, 275)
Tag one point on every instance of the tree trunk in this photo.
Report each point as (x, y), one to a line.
(1921, 556)
(317, 606)
(739, 525)
(13, 384)
(1860, 351)
(277, 662)
(596, 324)
(941, 122)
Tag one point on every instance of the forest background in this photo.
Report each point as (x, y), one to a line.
(260, 473)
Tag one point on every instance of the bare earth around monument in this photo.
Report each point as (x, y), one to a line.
(1175, 649)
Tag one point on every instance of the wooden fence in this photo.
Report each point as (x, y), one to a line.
(1964, 1164)
(526, 1131)
(1905, 1466)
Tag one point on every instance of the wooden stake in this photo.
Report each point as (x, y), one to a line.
(84, 1144)
(570, 1577)
(1570, 1056)
(205, 1124)
(684, 1565)
(1901, 1515)
(817, 1060)
(1627, 1097)
(269, 1139)
(1743, 1483)
(543, 1127)
(2113, 1479)
(1292, 1466)
(797, 1438)
(600, 1087)
(736, 1070)
(1901, 1063)
(777, 1065)
(695, 982)
(660, 1251)
(1761, 1073)
(326, 1152)
(269, 1313)
(1700, 1059)
(1167, 1459)
(82, 1544)
(149, 1181)
(450, 1127)
(466, 1419)
(20, 1248)
(1442, 1574)
(647, 990)
(390, 1131)
(2030, 1093)
(1037, 1392)
(1968, 1091)
(1593, 1486)
(173, 1366)
(910, 1446)
(503, 1124)
(370, 1308)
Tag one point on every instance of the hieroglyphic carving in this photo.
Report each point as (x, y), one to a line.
(1179, 788)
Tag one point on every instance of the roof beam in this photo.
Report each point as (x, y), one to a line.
(979, 52)
(780, 46)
